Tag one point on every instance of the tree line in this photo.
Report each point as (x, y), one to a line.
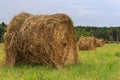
(109, 34)
(2, 31)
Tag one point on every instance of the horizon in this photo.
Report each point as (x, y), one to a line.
(89, 13)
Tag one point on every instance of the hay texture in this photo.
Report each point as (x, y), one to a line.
(12, 38)
(100, 42)
(41, 39)
(86, 43)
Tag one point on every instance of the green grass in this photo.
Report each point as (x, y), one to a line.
(100, 64)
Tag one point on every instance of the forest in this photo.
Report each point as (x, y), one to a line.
(2, 31)
(109, 34)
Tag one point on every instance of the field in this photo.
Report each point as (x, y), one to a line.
(100, 64)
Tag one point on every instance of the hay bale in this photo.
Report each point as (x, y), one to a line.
(87, 43)
(45, 39)
(11, 46)
(100, 42)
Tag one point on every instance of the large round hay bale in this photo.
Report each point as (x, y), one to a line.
(46, 40)
(100, 42)
(86, 43)
(12, 37)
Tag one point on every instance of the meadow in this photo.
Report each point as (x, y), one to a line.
(101, 64)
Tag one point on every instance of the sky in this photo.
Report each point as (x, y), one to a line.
(82, 12)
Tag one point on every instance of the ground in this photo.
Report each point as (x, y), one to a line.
(100, 64)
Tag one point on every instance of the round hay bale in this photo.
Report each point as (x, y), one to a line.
(92, 43)
(46, 40)
(12, 37)
(100, 42)
(86, 43)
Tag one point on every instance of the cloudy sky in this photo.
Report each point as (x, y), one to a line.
(82, 12)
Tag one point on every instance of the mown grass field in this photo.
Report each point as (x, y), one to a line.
(100, 64)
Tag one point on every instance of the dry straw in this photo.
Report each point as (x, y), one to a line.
(100, 42)
(42, 39)
(87, 43)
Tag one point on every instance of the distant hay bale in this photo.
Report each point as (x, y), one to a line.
(87, 43)
(45, 39)
(99, 42)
